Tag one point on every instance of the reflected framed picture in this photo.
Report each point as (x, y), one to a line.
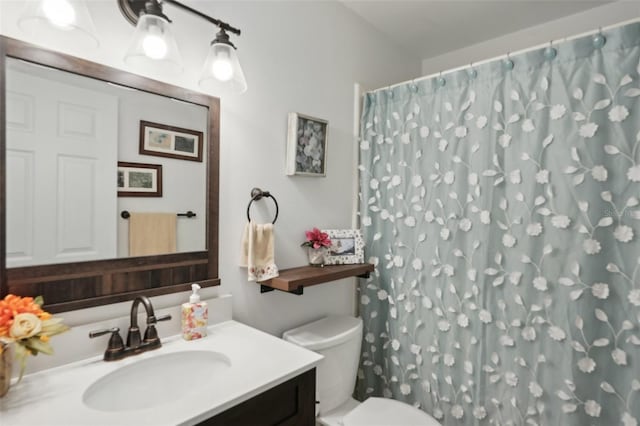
(347, 247)
(306, 145)
(139, 180)
(170, 141)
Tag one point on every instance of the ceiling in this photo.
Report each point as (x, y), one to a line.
(427, 28)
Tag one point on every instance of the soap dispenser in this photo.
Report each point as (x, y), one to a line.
(195, 315)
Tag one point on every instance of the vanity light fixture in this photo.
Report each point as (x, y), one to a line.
(68, 20)
(153, 46)
(222, 72)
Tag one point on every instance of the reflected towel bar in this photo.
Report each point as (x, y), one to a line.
(125, 214)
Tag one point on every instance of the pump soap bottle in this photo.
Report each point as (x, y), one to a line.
(194, 316)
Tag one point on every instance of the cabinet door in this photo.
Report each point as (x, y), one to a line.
(291, 403)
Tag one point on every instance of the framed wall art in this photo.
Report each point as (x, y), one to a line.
(306, 145)
(170, 141)
(347, 247)
(139, 180)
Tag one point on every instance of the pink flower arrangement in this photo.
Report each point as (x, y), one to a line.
(316, 239)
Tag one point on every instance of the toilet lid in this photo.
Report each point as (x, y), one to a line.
(387, 412)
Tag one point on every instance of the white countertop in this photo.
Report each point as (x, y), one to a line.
(259, 361)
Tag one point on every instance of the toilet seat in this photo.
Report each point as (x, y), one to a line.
(387, 412)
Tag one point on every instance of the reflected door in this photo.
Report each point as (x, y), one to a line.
(68, 133)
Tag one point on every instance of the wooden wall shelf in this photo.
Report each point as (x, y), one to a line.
(294, 280)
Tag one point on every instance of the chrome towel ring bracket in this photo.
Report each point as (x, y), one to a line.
(258, 194)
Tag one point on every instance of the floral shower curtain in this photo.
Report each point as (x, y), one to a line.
(500, 205)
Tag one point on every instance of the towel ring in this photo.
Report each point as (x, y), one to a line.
(257, 194)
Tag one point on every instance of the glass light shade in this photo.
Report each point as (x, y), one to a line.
(66, 20)
(222, 73)
(153, 46)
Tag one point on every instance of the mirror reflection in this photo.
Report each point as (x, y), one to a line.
(81, 151)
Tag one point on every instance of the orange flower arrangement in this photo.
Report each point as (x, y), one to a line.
(23, 321)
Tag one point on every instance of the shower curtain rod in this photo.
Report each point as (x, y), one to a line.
(507, 55)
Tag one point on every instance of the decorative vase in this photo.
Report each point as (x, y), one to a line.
(6, 365)
(316, 256)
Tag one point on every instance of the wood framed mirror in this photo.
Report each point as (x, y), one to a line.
(80, 284)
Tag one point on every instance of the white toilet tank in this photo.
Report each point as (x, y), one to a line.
(338, 339)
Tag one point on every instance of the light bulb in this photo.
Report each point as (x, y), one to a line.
(222, 69)
(154, 46)
(59, 12)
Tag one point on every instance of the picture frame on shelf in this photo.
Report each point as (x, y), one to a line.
(161, 140)
(139, 179)
(306, 145)
(347, 247)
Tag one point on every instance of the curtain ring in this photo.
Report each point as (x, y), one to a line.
(550, 52)
(599, 40)
(508, 63)
(472, 73)
(441, 81)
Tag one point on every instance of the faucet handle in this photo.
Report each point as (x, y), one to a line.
(165, 317)
(154, 319)
(102, 332)
(115, 347)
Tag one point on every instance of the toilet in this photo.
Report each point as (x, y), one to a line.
(338, 339)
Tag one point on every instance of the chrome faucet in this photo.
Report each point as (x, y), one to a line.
(116, 348)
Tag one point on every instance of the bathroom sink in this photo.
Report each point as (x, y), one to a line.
(154, 381)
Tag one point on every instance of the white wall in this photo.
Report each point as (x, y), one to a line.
(602, 16)
(298, 57)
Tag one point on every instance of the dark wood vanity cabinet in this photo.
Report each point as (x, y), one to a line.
(292, 403)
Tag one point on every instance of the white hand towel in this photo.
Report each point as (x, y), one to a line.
(257, 252)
